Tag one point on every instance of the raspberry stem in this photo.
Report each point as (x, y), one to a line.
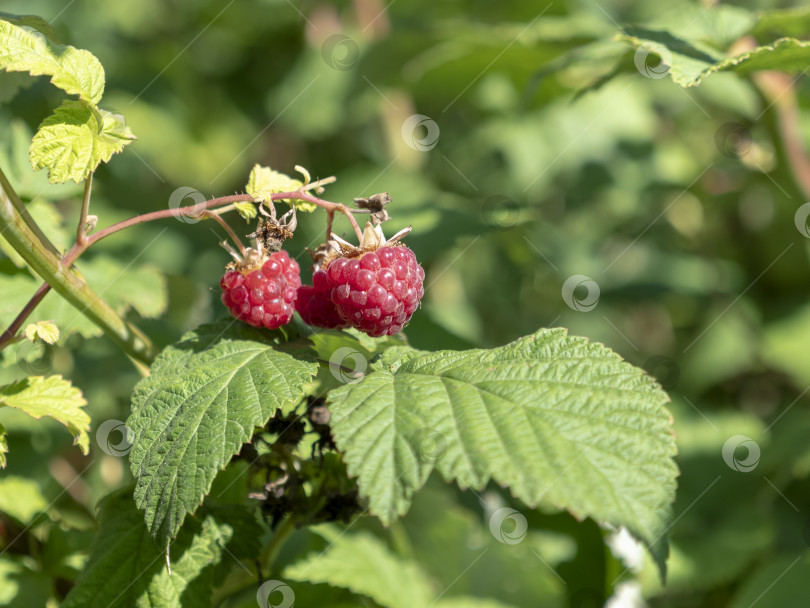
(215, 216)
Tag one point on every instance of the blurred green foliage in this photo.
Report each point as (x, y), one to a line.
(678, 203)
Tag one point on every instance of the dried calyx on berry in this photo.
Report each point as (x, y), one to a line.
(375, 286)
(260, 286)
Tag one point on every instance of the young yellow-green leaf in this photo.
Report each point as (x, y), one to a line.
(75, 71)
(54, 397)
(247, 210)
(364, 565)
(264, 181)
(204, 397)
(75, 139)
(557, 419)
(46, 331)
(3, 446)
(21, 498)
(127, 569)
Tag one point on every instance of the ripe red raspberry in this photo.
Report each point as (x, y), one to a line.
(314, 305)
(378, 291)
(263, 292)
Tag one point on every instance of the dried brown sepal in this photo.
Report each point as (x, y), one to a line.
(372, 240)
(376, 204)
(318, 255)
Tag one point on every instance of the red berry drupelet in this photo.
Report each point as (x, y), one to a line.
(314, 305)
(377, 291)
(263, 293)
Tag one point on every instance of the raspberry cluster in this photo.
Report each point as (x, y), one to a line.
(375, 286)
(263, 295)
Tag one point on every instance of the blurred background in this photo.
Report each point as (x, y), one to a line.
(548, 183)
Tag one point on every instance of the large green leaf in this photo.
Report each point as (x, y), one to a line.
(557, 419)
(54, 397)
(202, 401)
(689, 62)
(23, 49)
(75, 139)
(127, 569)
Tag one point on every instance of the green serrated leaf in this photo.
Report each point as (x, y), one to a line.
(364, 565)
(23, 49)
(127, 569)
(689, 62)
(21, 498)
(247, 210)
(201, 402)
(75, 139)
(557, 419)
(54, 397)
(264, 181)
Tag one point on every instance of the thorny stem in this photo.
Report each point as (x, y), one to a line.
(84, 242)
(81, 229)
